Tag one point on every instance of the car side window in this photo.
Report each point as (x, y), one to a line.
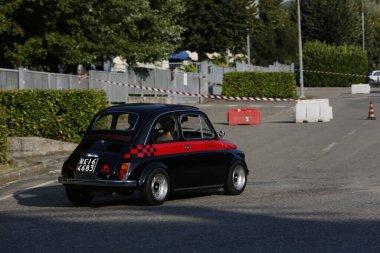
(165, 129)
(195, 126)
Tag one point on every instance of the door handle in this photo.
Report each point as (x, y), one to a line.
(187, 147)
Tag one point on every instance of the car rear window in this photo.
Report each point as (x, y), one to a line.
(115, 121)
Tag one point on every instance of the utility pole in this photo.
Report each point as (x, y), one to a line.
(363, 27)
(302, 95)
(248, 50)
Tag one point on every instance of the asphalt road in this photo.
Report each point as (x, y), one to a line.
(313, 187)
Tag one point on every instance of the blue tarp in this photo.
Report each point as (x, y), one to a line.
(183, 55)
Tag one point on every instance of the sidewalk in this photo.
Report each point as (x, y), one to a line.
(31, 156)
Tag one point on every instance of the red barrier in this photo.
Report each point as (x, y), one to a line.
(243, 116)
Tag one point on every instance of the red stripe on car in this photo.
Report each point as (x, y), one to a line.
(171, 148)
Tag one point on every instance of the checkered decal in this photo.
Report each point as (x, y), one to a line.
(141, 151)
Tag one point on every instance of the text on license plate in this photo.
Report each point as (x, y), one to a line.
(87, 164)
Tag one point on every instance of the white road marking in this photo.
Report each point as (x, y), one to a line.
(350, 133)
(329, 147)
(6, 197)
(33, 187)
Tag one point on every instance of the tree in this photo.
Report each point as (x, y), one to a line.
(333, 22)
(372, 32)
(339, 23)
(217, 25)
(64, 33)
(274, 36)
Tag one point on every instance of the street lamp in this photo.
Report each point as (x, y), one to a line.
(302, 95)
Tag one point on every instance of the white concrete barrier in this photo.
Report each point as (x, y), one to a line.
(313, 110)
(360, 89)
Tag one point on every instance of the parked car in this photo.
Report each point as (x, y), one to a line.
(155, 149)
(374, 78)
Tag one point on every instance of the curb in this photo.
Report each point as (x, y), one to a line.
(28, 170)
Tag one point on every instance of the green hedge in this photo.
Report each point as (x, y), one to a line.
(55, 114)
(3, 137)
(259, 84)
(338, 59)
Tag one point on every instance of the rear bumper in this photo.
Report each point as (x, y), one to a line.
(98, 183)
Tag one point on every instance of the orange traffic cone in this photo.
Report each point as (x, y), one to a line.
(371, 114)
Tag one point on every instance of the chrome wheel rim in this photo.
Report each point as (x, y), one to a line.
(238, 177)
(159, 186)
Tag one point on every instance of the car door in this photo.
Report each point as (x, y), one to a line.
(205, 161)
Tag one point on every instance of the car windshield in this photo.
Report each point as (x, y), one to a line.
(115, 121)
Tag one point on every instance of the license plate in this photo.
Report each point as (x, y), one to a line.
(87, 164)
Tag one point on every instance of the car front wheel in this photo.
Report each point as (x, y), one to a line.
(236, 179)
(78, 197)
(156, 188)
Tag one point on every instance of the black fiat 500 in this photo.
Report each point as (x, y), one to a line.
(156, 149)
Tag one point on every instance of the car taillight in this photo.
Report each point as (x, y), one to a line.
(67, 168)
(124, 171)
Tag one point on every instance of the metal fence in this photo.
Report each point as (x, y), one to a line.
(155, 78)
(208, 79)
(215, 74)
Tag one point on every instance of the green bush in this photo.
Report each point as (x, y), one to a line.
(259, 84)
(55, 114)
(345, 59)
(3, 137)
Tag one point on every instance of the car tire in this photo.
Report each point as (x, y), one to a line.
(156, 188)
(236, 179)
(78, 197)
(372, 83)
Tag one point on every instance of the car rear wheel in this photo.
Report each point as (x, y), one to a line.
(236, 180)
(156, 188)
(78, 197)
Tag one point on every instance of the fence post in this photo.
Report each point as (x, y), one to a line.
(70, 81)
(204, 69)
(155, 82)
(21, 78)
(126, 88)
(173, 87)
(90, 80)
(108, 88)
(49, 80)
(141, 88)
(203, 88)
(292, 68)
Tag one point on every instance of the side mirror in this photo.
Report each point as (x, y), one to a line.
(221, 134)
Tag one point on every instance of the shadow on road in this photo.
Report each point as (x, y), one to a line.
(178, 229)
(54, 196)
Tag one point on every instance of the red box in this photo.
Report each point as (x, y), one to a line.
(243, 116)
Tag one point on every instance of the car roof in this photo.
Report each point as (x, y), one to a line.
(142, 108)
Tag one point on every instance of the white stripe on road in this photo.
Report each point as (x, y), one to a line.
(33, 187)
(350, 133)
(329, 147)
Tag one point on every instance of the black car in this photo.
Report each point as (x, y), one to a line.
(156, 149)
